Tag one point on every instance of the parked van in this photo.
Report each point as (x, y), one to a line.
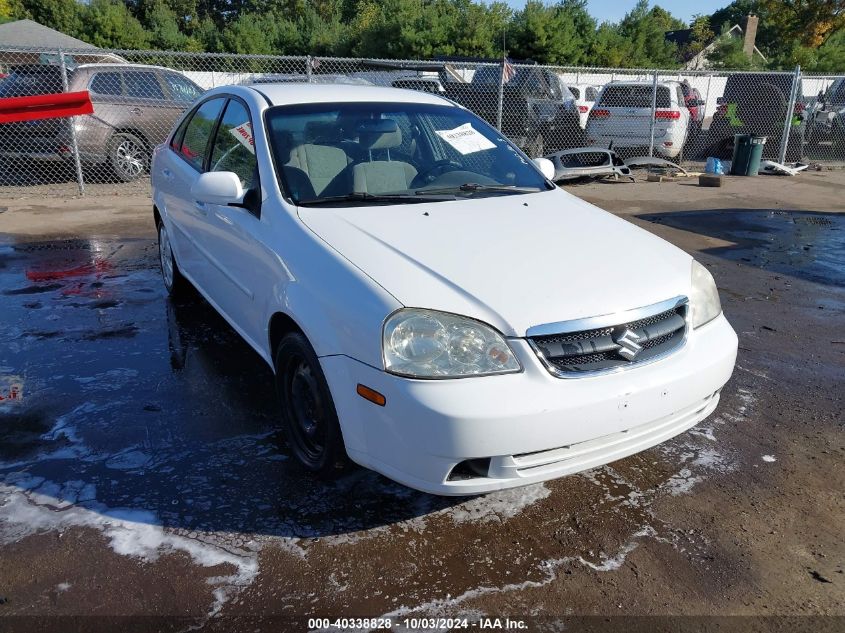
(622, 115)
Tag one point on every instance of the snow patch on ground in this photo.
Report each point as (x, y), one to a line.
(769, 458)
(29, 505)
(497, 506)
(614, 562)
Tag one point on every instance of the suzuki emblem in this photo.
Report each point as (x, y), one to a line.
(628, 346)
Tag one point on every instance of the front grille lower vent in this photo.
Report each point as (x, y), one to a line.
(614, 347)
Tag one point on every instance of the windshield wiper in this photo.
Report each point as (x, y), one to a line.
(377, 198)
(473, 187)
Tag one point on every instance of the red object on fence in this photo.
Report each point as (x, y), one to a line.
(53, 106)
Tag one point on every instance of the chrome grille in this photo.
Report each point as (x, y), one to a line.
(652, 332)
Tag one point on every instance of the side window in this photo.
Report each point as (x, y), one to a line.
(106, 84)
(143, 84)
(198, 132)
(181, 89)
(234, 149)
(176, 141)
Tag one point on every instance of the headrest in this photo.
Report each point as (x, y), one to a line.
(379, 134)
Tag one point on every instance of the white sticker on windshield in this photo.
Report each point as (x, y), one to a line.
(243, 133)
(466, 139)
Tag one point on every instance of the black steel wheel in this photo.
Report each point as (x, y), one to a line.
(308, 414)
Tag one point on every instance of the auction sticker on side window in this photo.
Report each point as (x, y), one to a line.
(243, 133)
(466, 139)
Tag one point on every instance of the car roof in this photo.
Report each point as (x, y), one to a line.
(296, 93)
(642, 83)
(97, 66)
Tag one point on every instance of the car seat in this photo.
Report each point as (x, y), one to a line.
(385, 175)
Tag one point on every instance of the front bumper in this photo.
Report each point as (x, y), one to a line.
(531, 426)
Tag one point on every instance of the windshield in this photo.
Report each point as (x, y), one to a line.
(371, 153)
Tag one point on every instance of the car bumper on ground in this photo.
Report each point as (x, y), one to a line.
(527, 427)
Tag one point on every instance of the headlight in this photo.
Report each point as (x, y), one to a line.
(429, 344)
(704, 298)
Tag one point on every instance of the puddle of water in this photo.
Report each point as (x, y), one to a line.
(809, 246)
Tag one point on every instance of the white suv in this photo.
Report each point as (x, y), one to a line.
(585, 98)
(622, 115)
(433, 307)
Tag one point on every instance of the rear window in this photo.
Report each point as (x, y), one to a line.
(634, 97)
(143, 85)
(576, 92)
(592, 94)
(106, 84)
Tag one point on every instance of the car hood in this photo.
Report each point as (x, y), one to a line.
(512, 261)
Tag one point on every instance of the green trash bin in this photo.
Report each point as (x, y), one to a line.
(748, 150)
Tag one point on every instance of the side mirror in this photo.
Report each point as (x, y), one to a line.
(546, 166)
(218, 187)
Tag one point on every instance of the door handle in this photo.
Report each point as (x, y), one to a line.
(201, 207)
(135, 110)
(168, 175)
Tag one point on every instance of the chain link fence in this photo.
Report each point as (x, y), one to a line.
(137, 96)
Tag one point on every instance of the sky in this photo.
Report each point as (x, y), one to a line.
(614, 10)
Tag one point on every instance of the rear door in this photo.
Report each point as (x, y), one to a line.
(148, 104)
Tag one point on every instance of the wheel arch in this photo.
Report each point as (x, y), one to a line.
(134, 132)
(279, 325)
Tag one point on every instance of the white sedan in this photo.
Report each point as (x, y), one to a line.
(433, 308)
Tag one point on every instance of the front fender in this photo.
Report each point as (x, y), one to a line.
(338, 308)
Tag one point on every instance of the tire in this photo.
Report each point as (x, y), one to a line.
(128, 156)
(174, 282)
(309, 418)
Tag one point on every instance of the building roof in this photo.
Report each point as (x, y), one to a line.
(679, 37)
(31, 33)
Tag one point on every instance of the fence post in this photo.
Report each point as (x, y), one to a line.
(501, 95)
(308, 68)
(653, 111)
(790, 113)
(707, 98)
(74, 145)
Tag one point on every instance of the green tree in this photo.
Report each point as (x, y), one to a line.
(162, 24)
(109, 24)
(250, 34)
(830, 57)
(610, 48)
(556, 34)
(62, 15)
(645, 29)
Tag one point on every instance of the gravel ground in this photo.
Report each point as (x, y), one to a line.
(142, 474)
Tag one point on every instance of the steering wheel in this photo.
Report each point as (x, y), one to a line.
(437, 169)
